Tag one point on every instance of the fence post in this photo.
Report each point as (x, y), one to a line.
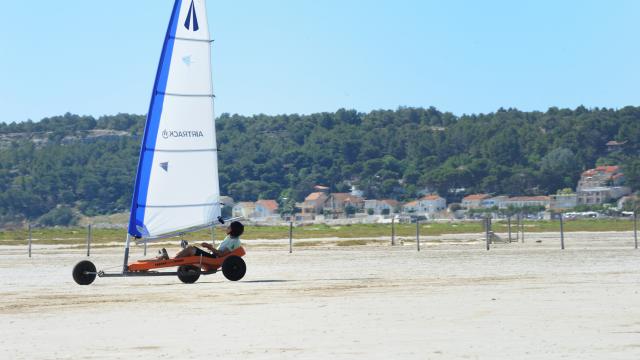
(509, 225)
(561, 232)
(486, 230)
(635, 227)
(418, 233)
(290, 237)
(89, 240)
(522, 228)
(30, 239)
(213, 235)
(393, 230)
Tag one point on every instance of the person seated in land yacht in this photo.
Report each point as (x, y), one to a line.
(230, 243)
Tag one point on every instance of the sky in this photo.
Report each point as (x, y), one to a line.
(304, 56)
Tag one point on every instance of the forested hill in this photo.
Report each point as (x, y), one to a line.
(89, 164)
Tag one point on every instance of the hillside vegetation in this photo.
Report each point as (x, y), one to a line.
(52, 168)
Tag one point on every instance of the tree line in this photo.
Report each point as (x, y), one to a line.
(385, 153)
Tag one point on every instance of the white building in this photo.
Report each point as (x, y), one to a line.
(244, 209)
(379, 206)
(601, 195)
(426, 205)
(474, 201)
(432, 204)
(496, 201)
(266, 209)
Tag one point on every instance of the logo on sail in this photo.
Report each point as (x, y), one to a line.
(165, 166)
(192, 18)
(182, 134)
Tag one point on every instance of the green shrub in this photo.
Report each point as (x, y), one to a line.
(60, 216)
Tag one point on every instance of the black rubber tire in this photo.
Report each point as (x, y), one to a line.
(188, 274)
(80, 275)
(234, 268)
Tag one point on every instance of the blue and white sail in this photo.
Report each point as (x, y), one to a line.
(176, 186)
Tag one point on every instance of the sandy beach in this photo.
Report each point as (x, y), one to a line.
(452, 300)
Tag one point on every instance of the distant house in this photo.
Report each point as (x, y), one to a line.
(474, 201)
(602, 194)
(601, 185)
(431, 204)
(336, 203)
(244, 209)
(265, 209)
(312, 204)
(381, 206)
(426, 205)
(601, 176)
(411, 207)
(496, 201)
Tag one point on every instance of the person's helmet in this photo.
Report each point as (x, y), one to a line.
(236, 228)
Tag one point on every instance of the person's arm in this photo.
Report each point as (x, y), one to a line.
(208, 246)
(215, 251)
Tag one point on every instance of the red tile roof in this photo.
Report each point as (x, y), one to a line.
(390, 202)
(476, 197)
(272, 205)
(602, 169)
(431, 197)
(608, 169)
(313, 196)
(347, 197)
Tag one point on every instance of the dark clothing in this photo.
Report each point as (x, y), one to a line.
(200, 252)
